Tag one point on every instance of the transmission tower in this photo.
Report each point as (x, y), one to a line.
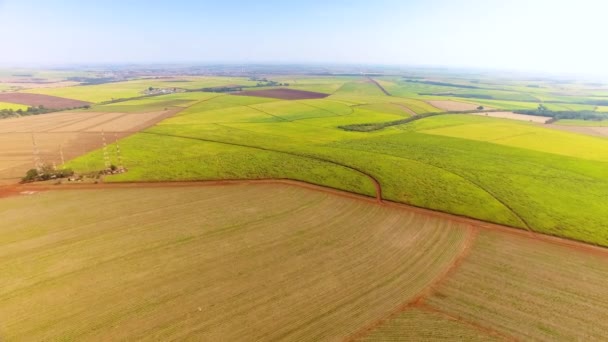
(61, 155)
(118, 156)
(106, 157)
(36, 152)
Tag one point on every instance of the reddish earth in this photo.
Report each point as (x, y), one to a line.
(283, 94)
(35, 100)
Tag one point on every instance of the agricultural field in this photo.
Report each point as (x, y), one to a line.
(36, 100)
(13, 106)
(58, 137)
(506, 171)
(135, 88)
(280, 261)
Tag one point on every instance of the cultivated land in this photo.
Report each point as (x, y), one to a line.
(69, 133)
(270, 261)
(505, 171)
(278, 261)
(35, 100)
(284, 94)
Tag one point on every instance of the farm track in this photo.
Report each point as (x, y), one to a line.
(379, 86)
(374, 181)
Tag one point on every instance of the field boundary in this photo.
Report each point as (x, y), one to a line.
(16, 189)
(379, 86)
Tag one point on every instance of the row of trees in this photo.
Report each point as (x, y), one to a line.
(542, 110)
(9, 113)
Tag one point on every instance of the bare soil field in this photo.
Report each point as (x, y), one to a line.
(599, 131)
(453, 106)
(35, 100)
(283, 94)
(514, 116)
(73, 133)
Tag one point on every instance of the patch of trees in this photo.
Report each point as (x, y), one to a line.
(45, 172)
(11, 113)
(542, 110)
(369, 127)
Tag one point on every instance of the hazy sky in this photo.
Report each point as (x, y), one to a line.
(542, 35)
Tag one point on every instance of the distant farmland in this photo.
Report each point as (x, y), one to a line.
(36, 100)
(276, 261)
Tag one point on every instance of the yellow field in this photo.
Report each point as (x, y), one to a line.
(529, 136)
(13, 106)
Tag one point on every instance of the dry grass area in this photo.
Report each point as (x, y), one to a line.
(453, 106)
(515, 116)
(73, 132)
(529, 290)
(253, 262)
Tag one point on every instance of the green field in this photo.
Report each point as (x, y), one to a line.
(497, 170)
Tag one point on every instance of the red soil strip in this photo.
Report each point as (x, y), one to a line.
(478, 327)
(283, 94)
(419, 299)
(35, 100)
(15, 189)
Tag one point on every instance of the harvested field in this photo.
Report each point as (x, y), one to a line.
(35, 100)
(529, 290)
(514, 116)
(596, 131)
(271, 261)
(255, 262)
(454, 106)
(283, 94)
(74, 133)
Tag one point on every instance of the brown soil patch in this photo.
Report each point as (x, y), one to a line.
(514, 116)
(74, 133)
(596, 131)
(35, 100)
(283, 94)
(454, 106)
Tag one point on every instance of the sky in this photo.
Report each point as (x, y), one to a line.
(525, 35)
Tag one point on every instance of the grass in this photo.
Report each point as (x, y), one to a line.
(210, 263)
